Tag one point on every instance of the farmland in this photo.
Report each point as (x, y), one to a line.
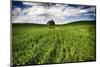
(38, 44)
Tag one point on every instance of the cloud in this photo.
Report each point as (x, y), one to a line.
(41, 13)
(29, 3)
(16, 11)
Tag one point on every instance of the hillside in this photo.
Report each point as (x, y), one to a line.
(38, 44)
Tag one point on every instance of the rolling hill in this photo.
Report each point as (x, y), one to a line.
(38, 44)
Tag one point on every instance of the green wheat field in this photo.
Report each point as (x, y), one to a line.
(40, 44)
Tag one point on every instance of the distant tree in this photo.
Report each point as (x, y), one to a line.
(51, 23)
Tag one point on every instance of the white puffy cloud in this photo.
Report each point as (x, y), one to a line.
(16, 11)
(42, 12)
(29, 3)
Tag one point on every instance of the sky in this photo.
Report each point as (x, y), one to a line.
(41, 13)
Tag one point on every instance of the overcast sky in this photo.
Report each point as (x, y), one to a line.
(41, 13)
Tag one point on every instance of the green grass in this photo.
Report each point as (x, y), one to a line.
(38, 44)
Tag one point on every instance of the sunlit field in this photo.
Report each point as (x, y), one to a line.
(40, 44)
